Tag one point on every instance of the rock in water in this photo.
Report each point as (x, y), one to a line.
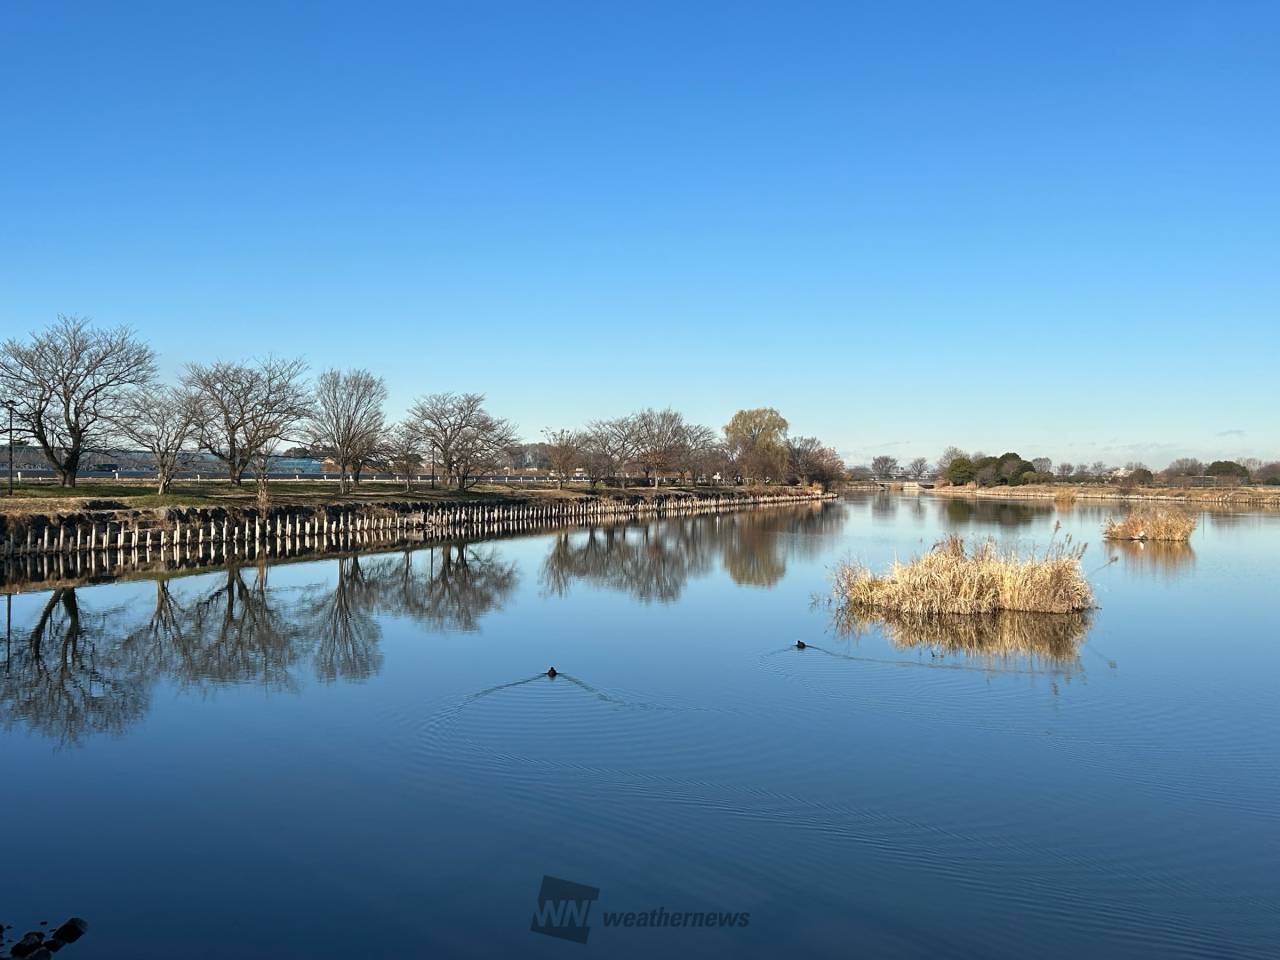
(28, 945)
(71, 931)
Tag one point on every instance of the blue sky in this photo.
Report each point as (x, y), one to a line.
(1052, 227)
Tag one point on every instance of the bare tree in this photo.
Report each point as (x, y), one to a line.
(1065, 469)
(812, 462)
(918, 467)
(244, 411)
(1184, 467)
(949, 456)
(611, 447)
(659, 435)
(402, 448)
(801, 456)
(347, 422)
(564, 448)
(884, 465)
(466, 437)
(161, 421)
(68, 384)
(699, 451)
(827, 468)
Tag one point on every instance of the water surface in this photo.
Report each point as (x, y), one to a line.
(361, 756)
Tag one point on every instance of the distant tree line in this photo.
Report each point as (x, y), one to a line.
(75, 388)
(958, 468)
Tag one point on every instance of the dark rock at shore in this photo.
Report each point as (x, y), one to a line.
(71, 931)
(28, 945)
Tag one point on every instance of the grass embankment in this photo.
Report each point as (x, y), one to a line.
(1151, 523)
(99, 495)
(952, 579)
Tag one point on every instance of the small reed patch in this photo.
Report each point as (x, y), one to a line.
(1151, 523)
(953, 579)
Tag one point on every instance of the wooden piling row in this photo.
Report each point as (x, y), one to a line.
(348, 525)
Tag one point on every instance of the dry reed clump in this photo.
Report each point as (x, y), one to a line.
(1151, 523)
(951, 579)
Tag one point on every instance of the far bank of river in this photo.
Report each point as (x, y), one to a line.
(1242, 496)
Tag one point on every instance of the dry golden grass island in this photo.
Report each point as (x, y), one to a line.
(1151, 523)
(954, 579)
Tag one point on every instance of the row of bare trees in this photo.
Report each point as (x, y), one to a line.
(76, 388)
(753, 446)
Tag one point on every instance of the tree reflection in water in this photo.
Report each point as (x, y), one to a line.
(67, 676)
(650, 562)
(959, 512)
(231, 631)
(655, 561)
(344, 625)
(448, 587)
(76, 672)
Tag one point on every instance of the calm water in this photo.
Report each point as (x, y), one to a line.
(362, 757)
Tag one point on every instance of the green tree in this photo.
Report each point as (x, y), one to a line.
(1227, 468)
(961, 471)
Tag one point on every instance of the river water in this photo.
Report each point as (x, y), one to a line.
(362, 756)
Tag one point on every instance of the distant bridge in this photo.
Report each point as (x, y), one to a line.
(905, 484)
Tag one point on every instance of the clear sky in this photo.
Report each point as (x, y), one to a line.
(1051, 227)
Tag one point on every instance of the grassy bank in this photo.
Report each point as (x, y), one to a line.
(953, 579)
(140, 495)
(1251, 496)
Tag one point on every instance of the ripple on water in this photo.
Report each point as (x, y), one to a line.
(629, 765)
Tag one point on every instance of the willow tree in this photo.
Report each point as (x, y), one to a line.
(757, 442)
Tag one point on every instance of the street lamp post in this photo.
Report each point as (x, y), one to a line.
(9, 405)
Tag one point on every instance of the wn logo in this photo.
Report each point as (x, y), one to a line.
(563, 907)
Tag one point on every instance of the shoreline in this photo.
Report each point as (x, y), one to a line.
(1242, 496)
(117, 534)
